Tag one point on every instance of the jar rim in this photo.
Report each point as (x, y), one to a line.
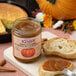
(28, 19)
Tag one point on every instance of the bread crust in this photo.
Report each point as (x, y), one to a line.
(68, 54)
(43, 72)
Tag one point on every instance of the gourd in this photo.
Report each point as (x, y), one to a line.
(61, 10)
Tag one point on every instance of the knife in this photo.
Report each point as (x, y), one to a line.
(68, 72)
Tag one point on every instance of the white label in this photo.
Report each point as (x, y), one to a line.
(27, 48)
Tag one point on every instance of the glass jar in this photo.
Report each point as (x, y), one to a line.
(26, 39)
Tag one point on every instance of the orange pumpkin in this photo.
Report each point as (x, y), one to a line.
(61, 10)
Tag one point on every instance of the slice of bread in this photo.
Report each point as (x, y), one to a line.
(65, 48)
(54, 67)
(2, 28)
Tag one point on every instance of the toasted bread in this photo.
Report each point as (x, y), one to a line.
(54, 67)
(65, 48)
(2, 28)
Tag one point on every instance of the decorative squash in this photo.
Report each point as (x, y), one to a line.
(61, 10)
(74, 24)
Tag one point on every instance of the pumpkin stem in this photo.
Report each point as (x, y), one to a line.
(52, 1)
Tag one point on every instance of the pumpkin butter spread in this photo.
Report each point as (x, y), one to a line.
(26, 39)
(56, 65)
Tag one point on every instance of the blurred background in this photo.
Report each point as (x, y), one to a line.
(31, 5)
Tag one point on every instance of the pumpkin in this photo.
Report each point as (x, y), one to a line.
(60, 10)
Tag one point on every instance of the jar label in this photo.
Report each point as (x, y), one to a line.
(27, 48)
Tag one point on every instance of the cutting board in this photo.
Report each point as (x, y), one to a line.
(31, 69)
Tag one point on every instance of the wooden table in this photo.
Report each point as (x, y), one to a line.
(18, 72)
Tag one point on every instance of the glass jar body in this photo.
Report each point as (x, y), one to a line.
(26, 39)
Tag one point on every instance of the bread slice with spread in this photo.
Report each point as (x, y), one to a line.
(54, 67)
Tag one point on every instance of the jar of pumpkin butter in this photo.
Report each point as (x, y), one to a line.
(26, 39)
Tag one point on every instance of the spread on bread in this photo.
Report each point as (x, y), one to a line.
(65, 48)
(60, 75)
(54, 67)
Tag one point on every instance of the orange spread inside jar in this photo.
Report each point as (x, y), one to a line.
(56, 65)
(26, 39)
